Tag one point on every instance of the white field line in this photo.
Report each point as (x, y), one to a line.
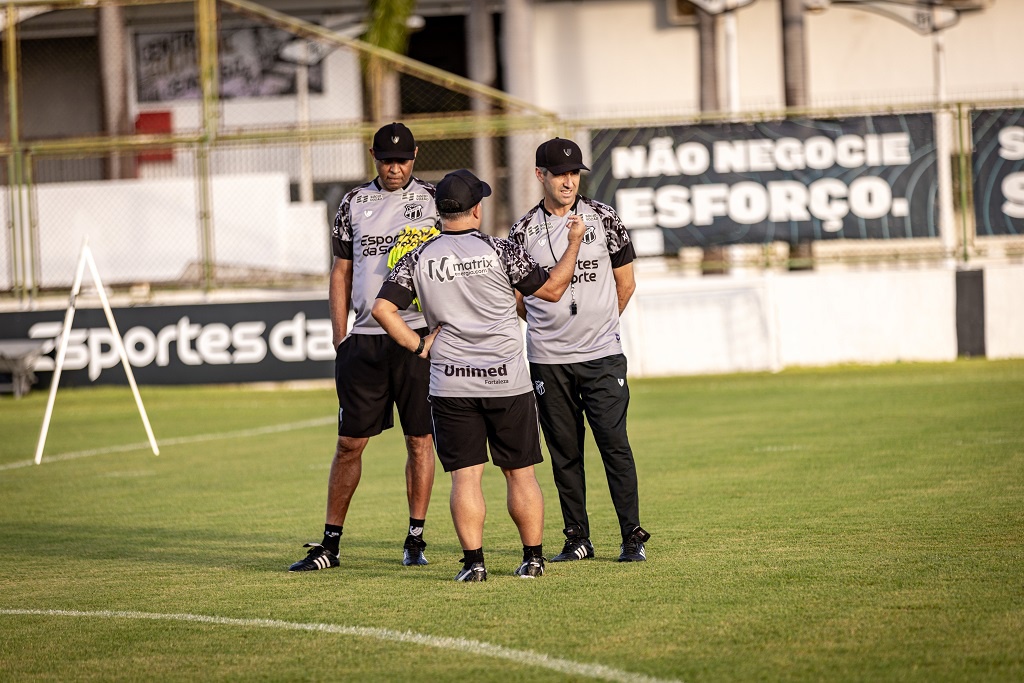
(473, 647)
(197, 438)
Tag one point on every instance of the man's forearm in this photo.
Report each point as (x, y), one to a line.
(387, 315)
(339, 297)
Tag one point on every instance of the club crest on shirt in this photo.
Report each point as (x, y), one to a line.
(538, 386)
(413, 212)
(590, 236)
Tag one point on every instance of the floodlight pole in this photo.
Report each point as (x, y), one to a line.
(943, 145)
(732, 62)
(302, 104)
(727, 8)
(928, 20)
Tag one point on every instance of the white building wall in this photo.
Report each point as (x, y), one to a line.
(609, 56)
(597, 58)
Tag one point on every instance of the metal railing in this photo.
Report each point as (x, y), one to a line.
(240, 192)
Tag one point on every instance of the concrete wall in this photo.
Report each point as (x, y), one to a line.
(148, 230)
(685, 326)
(1004, 312)
(768, 322)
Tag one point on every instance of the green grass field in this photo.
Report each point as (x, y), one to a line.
(850, 524)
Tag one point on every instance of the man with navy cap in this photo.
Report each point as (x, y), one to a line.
(576, 360)
(372, 374)
(480, 392)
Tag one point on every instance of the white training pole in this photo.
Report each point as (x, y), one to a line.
(119, 345)
(62, 349)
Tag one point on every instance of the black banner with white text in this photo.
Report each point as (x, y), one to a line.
(998, 171)
(871, 177)
(194, 344)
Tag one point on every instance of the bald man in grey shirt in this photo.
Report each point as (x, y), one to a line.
(480, 390)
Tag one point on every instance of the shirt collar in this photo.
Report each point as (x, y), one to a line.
(572, 210)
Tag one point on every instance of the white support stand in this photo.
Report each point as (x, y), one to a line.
(86, 258)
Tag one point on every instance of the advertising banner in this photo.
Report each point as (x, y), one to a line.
(871, 177)
(195, 344)
(251, 65)
(998, 165)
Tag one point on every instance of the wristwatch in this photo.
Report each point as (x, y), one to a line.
(419, 349)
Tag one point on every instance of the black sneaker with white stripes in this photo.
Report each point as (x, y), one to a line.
(577, 546)
(632, 548)
(318, 557)
(472, 572)
(575, 549)
(413, 554)
(531, 568)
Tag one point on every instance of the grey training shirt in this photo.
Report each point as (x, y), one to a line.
(554, 336)
(366, 227)
(464, 281)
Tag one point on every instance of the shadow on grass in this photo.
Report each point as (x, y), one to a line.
(145, 549)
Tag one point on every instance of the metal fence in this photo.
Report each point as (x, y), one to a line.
(246, 127)
(237, 157)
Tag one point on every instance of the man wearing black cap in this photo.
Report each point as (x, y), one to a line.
(480, 391)
(372, 374)
(576, 360)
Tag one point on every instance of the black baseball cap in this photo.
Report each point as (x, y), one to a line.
(394, 141)
(560, 156)
(460, 191)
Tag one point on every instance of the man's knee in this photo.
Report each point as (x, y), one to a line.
(420, 447)
(349, 449)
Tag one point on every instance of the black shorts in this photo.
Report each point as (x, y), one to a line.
(373, 374)
(463, 428)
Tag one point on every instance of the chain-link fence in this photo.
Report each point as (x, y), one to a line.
(183, 174)
(225, 133)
